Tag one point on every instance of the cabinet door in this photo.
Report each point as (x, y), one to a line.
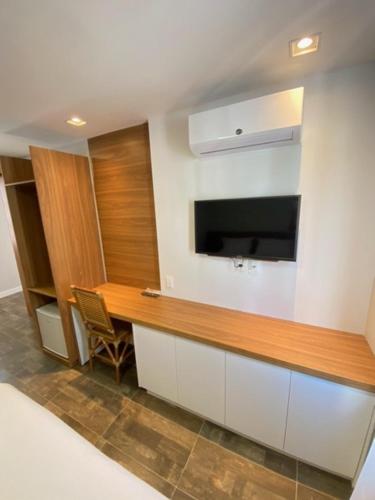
(327, 423)
(156, 361)
(257, 396)
(201, 378)
(365, 485)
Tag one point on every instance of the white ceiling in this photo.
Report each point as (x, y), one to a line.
(116, 62)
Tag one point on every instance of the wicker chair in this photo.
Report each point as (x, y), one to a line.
(109, 340)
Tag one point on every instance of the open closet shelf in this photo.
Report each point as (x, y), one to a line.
(46, 290)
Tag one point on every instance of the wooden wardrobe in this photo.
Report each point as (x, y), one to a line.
(55, 232)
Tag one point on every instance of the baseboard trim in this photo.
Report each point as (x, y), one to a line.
(11, 291)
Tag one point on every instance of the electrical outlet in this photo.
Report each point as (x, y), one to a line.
(170, 281)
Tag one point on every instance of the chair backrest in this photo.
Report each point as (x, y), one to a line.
(93, 310)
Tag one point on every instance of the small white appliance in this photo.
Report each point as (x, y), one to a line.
(51, 329)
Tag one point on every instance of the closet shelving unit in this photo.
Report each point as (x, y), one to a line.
(54, 231)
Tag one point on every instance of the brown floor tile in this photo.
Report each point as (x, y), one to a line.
(157, 443)
(56, 410)
(86, 388)
(174, 413)
(180, 495)
(249, 449)
(34, 395)
(88, 413)
(48, 383)
(324, 481)
(146, 475)
(81, 429)
(215, 473)
(305, 493)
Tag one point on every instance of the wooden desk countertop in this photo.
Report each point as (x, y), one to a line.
(331, 354)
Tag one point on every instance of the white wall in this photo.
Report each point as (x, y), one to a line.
(337, 251)
(370, 326)
(179, 179)
(13, 145)
(9, 278)
(334, 170)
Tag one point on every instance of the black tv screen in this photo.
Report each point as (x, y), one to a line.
(256, 228)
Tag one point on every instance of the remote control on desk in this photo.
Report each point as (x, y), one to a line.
(151, 293)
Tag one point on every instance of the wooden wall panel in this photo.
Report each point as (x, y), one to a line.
(68, 211)
(125, 200)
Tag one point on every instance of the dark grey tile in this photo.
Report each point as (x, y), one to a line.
(174, 413)
(324, 481)
(255, 452)
(4, 374)
(305, 493)
(105, 375)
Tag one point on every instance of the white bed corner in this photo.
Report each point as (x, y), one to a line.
(41, 458)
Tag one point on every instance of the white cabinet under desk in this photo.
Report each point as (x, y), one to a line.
(327, 423)
(184, 372)
(156, 361)
(201, 378)
(320, 422)
(257, 396)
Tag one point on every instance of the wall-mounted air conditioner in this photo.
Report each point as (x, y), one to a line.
(269, 121)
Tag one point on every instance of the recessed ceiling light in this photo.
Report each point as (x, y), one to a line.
(304, 45)
(76, 121)
(304, 42)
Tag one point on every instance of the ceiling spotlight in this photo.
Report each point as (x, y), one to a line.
(304, 42)
(76, 121)
(305, 45)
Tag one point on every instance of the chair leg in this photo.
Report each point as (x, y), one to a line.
(91, 353)
(117, 361)
(118, 375)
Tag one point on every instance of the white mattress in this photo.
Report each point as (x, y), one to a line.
(41, 458)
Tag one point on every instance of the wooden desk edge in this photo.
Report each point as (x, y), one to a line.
(329, 376)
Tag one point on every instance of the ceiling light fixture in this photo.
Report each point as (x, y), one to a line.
(304, 45)
(304, 42)
(76, 121)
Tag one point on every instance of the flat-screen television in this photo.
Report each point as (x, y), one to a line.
(263, 228)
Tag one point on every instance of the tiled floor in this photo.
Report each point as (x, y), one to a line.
(178, 453)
